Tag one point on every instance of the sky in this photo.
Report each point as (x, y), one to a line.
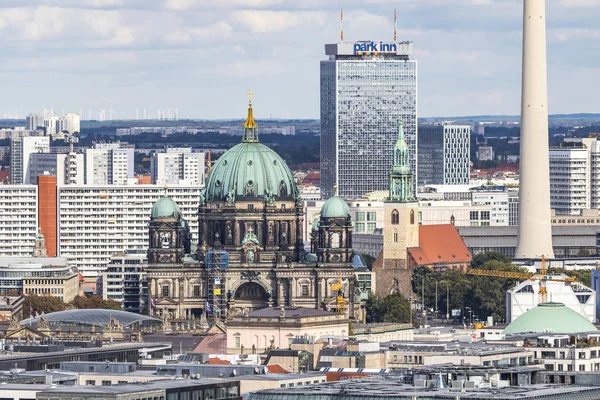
(202, 56)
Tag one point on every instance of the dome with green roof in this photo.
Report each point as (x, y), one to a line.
(550, 317)
(165, 207)
(335, 207)
(250, 170)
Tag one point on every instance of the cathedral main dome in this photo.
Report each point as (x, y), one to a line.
(250, 170)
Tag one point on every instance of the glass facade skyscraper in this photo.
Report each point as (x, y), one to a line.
(364, 96)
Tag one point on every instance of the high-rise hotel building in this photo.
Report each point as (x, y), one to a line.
(367, 88)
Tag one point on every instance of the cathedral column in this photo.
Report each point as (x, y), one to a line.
(175, 288)
(280, 299)
(292, 289)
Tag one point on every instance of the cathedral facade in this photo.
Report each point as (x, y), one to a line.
(250, 252)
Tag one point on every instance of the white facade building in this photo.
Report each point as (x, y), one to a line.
(18, 220)
(20, 152)
(69, 123)
(485, 153)
(96, 222)
(125, 280)
(52, 125)
(178, 166)
(34, 122)
(570, 185)
(109, 164)
(576, 296)
(444, 154)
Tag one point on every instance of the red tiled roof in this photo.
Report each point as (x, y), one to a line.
(218, 361)
(439, 244)
(312, 177)
(277, 369)
(338, 376)
(212, 344)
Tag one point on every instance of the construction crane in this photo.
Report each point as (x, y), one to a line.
(542, 277)
(340, 302)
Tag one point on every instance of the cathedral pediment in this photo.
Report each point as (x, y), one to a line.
(166, 302)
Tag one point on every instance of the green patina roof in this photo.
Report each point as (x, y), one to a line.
(550, 317)
(250, 169)
(165, 207)
(335, 207)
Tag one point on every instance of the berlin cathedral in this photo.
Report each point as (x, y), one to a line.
(250, 253)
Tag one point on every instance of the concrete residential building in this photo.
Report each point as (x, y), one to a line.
(18, 219)
(485, 153)
(109, 164)
(20, 151)
(363, 96)
(177, 166)
(34, 122)
(52, 126)
(69, 123)
(68, 168)
(125, 280)
(570, 183)
(97, 222)
(444, 154)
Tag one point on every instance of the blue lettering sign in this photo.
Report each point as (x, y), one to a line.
(374, 48)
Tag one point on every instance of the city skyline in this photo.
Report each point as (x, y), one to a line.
(201, 57)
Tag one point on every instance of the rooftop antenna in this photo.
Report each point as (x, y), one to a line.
(341, 24)
(395, 19)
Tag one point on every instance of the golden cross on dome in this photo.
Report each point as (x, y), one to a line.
(250, 94)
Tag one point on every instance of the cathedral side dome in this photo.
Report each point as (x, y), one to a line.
(250, 170)
(165, 207)
(335, 207)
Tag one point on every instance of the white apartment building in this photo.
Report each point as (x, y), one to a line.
(20, 152)
(18, 220)
(126, 281)
(68, 168)
(17, 132)
(52, 125)
(96, 222)
(69, 123)
(485, 153)
(570, 185)
(109, 164)
(178, 166)
(33, 122)
(498, 200)
(444, 154)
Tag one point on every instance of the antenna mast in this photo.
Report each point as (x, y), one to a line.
(395, 25)
(341, 24)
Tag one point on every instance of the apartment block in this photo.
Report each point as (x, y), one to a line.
(18, 220)
(178, 166)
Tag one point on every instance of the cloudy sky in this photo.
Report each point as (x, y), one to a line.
(202, 56)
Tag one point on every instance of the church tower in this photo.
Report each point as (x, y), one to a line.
(169, 233)
(39, 249)
(401, 223)
(333, 234)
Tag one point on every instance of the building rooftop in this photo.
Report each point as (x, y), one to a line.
(97, 317)
(290, 312)
(439, 244)
(551, 318)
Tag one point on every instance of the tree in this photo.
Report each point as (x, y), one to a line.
(391, 308)
(583, 276)
(482, 258)
(82, 302)
(42, 304)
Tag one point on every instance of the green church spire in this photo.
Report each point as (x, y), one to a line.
(401, 177)
(250, 126)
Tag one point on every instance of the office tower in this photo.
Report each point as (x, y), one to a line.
(535, 235)
(108, 163)
(19, 224)
(444, 154)
(69, 123)
(20, 153)
(97, 222)
(366, 88)
(34, 122)
(68, 168)
(177, 166)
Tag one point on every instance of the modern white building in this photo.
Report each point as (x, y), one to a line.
(570, 183)
(96, 222)
(52, 125)
(68, 168)
(70, 123)
(18, 220)
(365, 95)
(485, 153)
(178, 166)
(576, 296)
(20, 152)
(109, 164)
(34, 122)
(444, 154)
(125, 280)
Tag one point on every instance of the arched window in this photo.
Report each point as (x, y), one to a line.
(395, 217)
(395, 236)
(412, 217)
(335, 240)
(165, 290)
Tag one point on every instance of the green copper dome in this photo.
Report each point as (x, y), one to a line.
(335, 207)
(550, 317)
(250, 170)
(165, 207)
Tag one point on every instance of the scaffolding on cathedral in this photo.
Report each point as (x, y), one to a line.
(217, 262)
